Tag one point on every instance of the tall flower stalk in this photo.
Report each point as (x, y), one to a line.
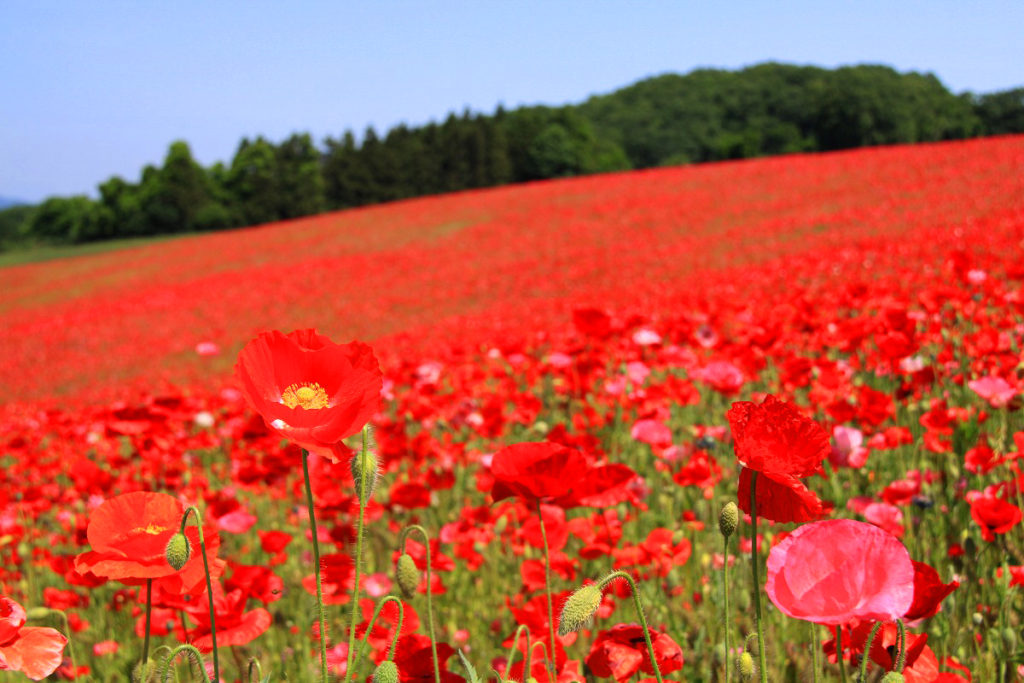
(408, 590)
(364, 475)
(321, 615)
(762, 670)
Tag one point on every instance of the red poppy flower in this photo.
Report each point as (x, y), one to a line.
(35, 652)
(929, 592)
(838, 570)
(774, 437)
(536, 471)
(235, 626)
(621, 651)
(776, 440)
(308, 389)
(994, 516)
(558, 475)
(129, 536)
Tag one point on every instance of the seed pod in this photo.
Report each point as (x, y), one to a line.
(579, 609)
(386, 672)
(407, 575)
(728, 519)
(178, 551)
(892, 677)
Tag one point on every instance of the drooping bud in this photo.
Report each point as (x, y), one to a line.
(145, 672)
(745, 665)
(579, 609)
(178, 551)
(892, 677)
(364, 474)
(386, 672)
(35, 613)
(728, 519)
(407, 575)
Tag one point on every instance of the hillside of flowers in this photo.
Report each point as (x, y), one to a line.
(745, 421)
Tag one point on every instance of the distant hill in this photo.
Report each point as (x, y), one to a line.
(7, 202)
(666, 120)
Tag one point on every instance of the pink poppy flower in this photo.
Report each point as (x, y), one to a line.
(838, 570)
(996, 390)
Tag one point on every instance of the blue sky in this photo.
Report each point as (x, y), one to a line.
(95, 89)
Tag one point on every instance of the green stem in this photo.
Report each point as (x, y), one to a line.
(840, 660)
(640, 615)
(512, 653)
(867, 651)
(815, 651)
(316, 562)
(757, 583)
(373, 620)
(209, 586)
(903, 646)
(725, 621)
(254, 664)
(430, 608)
(354, 615)
(149, 612)
(187, 649)
(552, 667)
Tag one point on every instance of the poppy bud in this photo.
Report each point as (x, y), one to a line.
(579, 609)
(745, 665)
(728, 519)
(1009, 636)
(364, 474)
(386, 672)
(892, 677)
(407, 575)
(35, 613)
(144, 672)
(178, 551)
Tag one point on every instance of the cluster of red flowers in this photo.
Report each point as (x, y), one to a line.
(889, 344)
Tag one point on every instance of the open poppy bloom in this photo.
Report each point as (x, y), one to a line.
(838, 570)
(308, 389)
(35, 652)
(558, 475)
(129, 536)
(621, 651)
(774, 439)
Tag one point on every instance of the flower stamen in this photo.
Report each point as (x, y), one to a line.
(306, 395)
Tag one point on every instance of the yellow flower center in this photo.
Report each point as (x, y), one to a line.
(307, 395)
(151, 529)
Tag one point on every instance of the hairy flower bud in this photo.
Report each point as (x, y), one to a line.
(178, 551)
(579, 609)
(407, 574)
(892, 677)
(728, 519)
(386, 672)
(745, 665)
(364, 474)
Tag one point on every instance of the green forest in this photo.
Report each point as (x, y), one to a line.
(705, 115)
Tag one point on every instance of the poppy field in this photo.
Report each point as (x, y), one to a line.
(746, 421)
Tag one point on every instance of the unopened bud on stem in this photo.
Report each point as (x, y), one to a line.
(178, 551)
(728, 519)
(407, 575)
(579, 609)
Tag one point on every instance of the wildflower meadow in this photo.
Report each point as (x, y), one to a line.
(745, 421)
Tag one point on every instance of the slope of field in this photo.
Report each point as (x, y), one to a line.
(473, 268)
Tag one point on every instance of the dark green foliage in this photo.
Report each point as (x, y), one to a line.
(14, 225)
(1001, 112)
(705, 115)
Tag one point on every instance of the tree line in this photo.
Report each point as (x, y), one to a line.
(705, 115)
